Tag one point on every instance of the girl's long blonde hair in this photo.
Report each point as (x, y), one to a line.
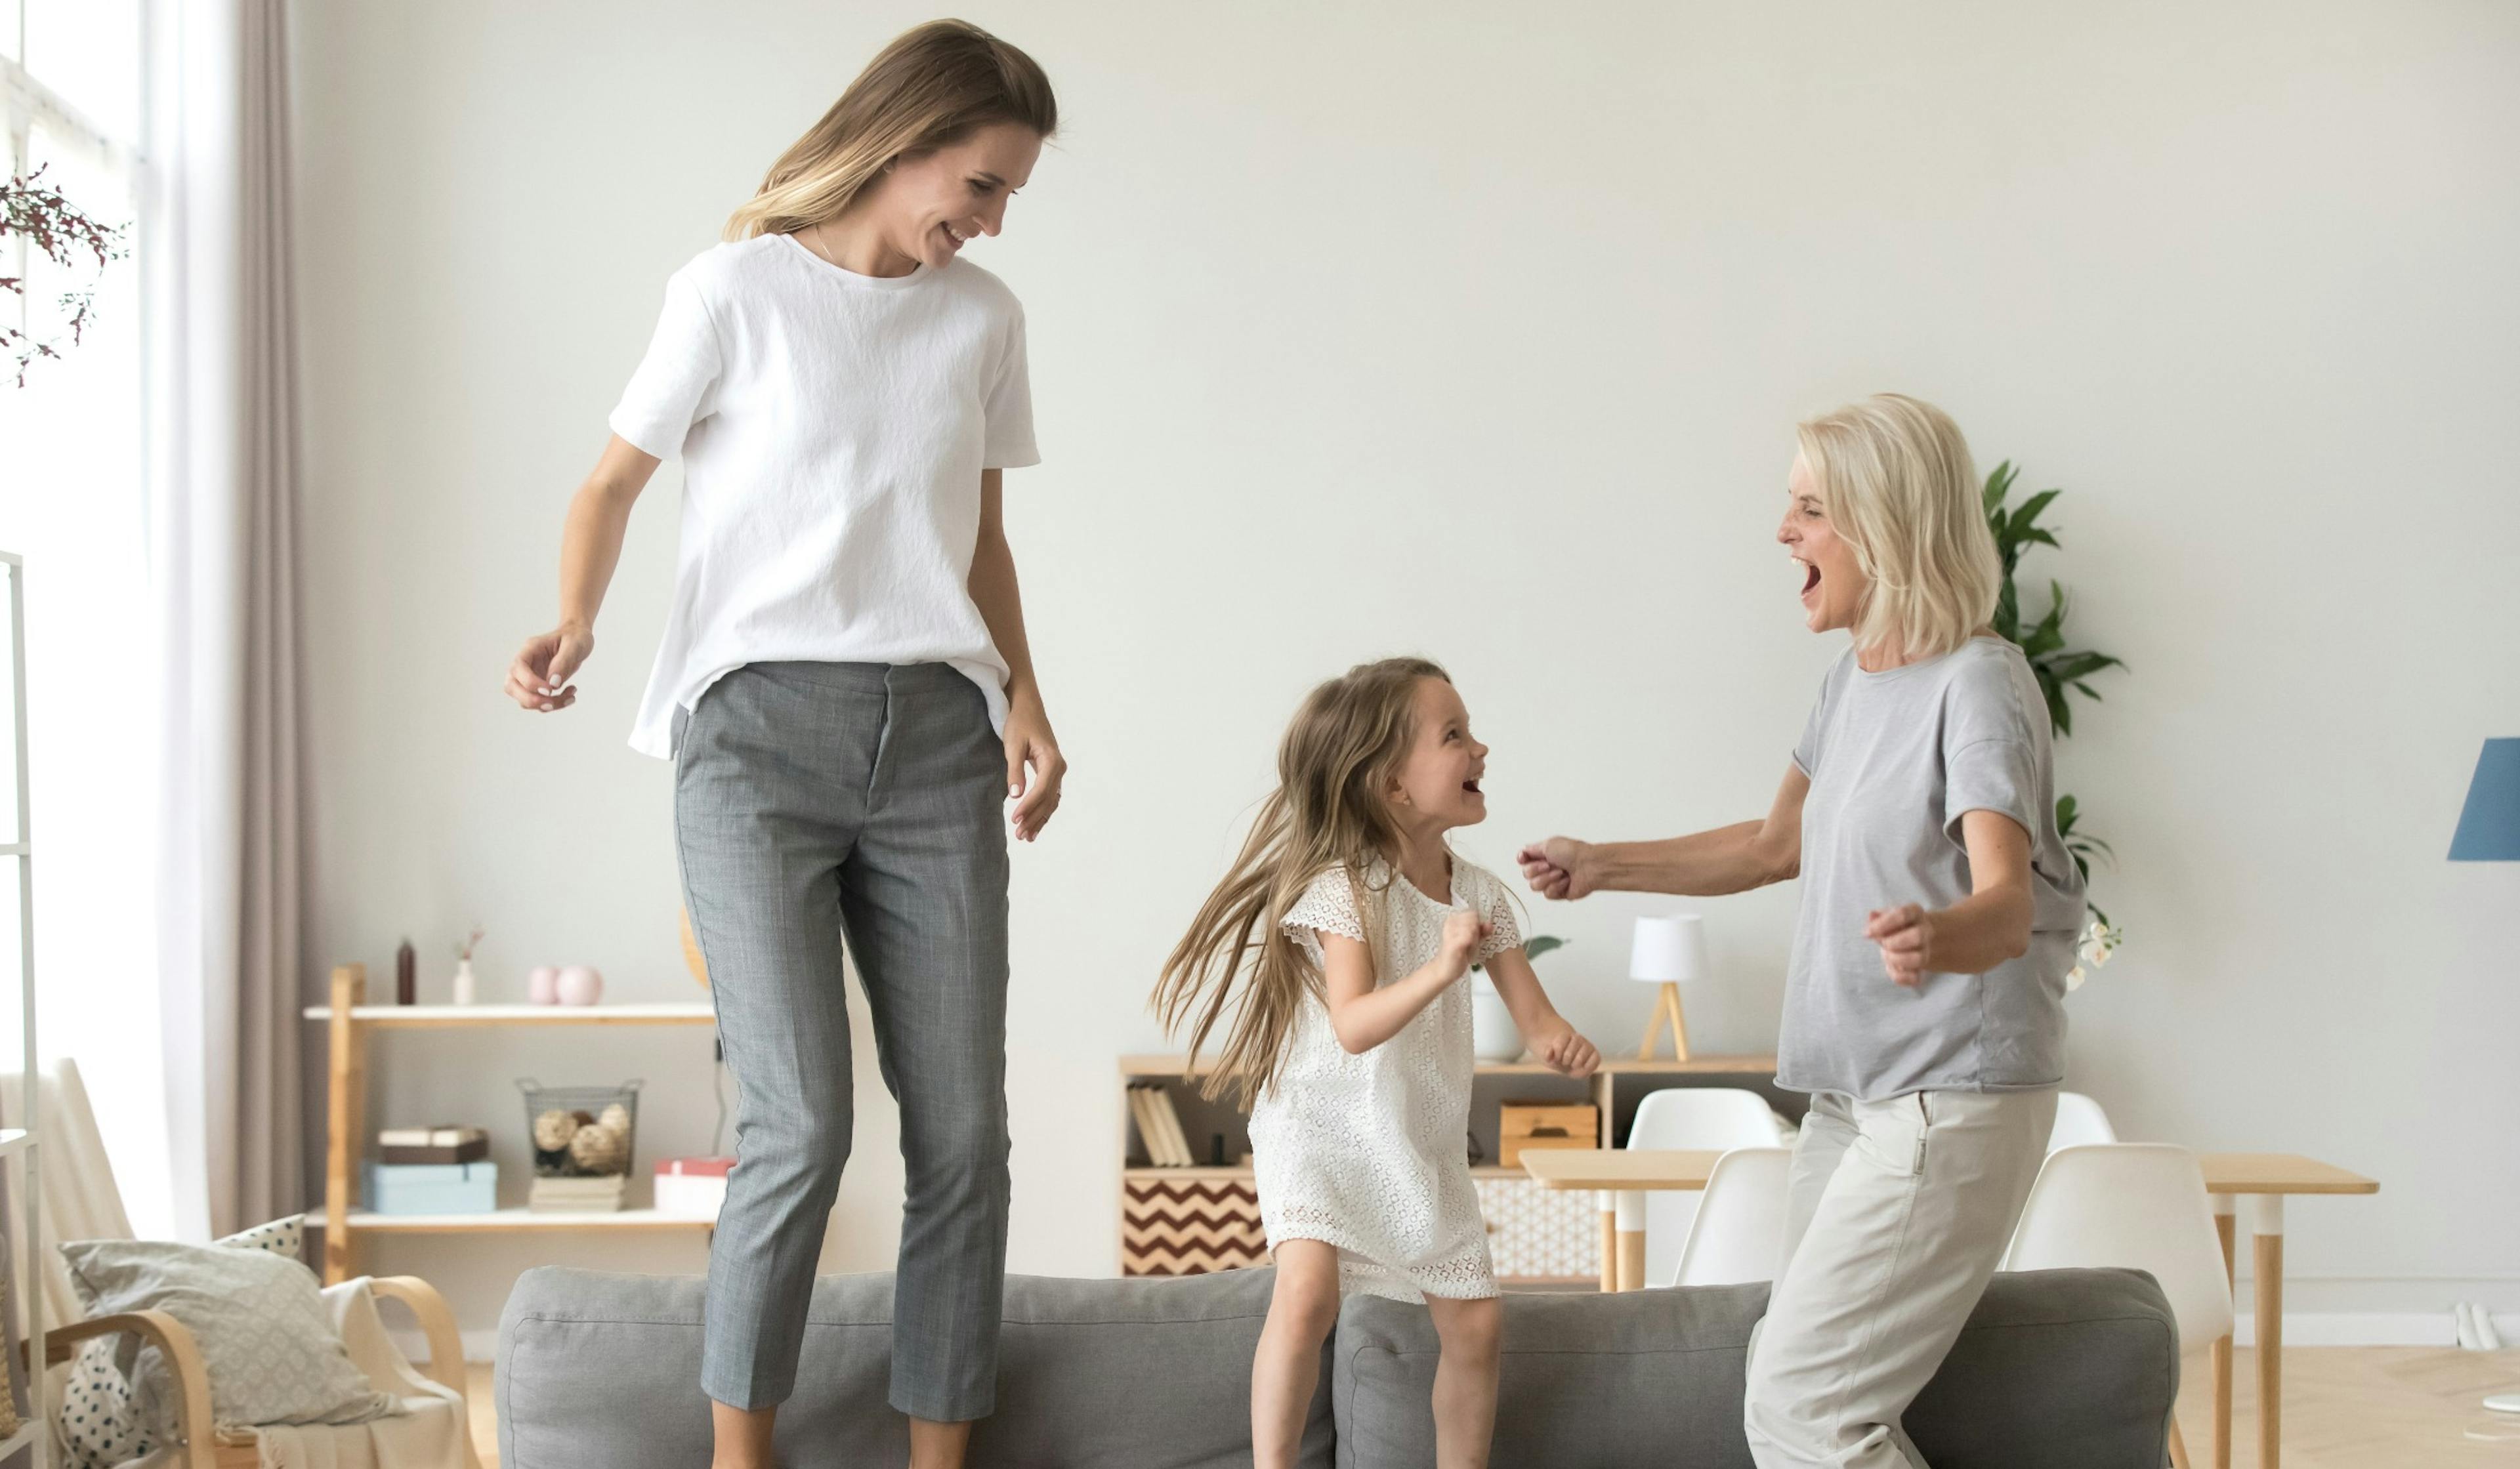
(1900, 490)
(1330, 810)
(936, 85)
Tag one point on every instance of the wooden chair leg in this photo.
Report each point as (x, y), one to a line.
(2178, 1448)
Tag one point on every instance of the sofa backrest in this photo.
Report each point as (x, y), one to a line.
(2067, 1370)
(601, 1371)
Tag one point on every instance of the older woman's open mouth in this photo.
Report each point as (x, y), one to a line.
(1811, 577)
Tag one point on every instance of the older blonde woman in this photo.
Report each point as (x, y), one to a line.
(1924, 1001)
(846, 691)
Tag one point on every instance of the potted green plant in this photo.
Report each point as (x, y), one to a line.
(2062, 671)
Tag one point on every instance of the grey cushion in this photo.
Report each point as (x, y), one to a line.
(2057, 1370)
(601, 1371)
(258, 1316)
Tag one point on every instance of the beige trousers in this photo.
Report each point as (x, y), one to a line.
(1900, 1211)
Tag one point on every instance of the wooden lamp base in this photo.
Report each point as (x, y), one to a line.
(1666, 1008)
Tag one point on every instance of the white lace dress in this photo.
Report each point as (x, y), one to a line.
(1371, 1153)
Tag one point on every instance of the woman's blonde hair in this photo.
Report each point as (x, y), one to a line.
(1330, 809)
(1900, 490)
(934, 86)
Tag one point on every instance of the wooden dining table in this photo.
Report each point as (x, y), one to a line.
(1623, 1176)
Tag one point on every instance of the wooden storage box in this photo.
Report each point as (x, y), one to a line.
(1522, 1125)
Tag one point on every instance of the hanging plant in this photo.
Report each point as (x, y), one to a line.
(57, 229)
(2062, 671)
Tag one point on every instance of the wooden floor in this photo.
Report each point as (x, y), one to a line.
(2345, 1407)
(2366, 1407)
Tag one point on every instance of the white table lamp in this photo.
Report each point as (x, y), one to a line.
(1668, 950)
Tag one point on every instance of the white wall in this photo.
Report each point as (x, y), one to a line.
(1479, 330)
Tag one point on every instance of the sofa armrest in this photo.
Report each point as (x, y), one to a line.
(173, 1341)
(445, 1342)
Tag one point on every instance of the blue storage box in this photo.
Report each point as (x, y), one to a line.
(433, 1187)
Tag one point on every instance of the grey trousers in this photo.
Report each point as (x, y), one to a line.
(1899, 1211)
(813, 803)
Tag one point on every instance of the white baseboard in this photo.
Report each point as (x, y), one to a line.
(2370, 1328)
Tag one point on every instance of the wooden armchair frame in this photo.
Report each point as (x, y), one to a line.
(202, 1446)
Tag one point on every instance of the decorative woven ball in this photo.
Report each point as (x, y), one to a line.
(553, 1129)
(617, 1117)
(600, 1150)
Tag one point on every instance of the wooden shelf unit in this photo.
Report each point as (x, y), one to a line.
(1603, 1090)
(347, 1021)
(1215, 1212)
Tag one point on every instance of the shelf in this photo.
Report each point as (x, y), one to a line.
(1151, 1066)
(1142, 1172)
(24, 1438)
(14, 1140)
(516, 1221)
(441, 1016)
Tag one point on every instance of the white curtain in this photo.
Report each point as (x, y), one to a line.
(223, 497)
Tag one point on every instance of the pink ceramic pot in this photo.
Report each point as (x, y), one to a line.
(542, 983)
(580, 984)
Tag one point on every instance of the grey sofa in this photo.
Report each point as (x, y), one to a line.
(2058, 1369)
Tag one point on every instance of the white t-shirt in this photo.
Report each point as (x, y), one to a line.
(833, 429)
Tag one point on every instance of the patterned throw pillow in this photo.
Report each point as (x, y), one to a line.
(99, 1427)
(105, 1422)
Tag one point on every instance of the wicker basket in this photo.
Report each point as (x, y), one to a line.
(581, 1131)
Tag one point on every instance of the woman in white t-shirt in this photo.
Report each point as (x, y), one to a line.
(846, 693)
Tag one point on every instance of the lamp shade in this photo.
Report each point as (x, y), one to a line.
(1669, 949)
(2489, 825)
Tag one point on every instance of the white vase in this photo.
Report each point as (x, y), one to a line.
(466, 990)
(1493, 1036)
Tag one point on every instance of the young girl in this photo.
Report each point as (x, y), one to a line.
(1350, 1037)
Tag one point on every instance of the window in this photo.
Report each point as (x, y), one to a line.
(72, 453)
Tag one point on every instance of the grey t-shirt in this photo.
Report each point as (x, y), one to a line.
(1895, 758)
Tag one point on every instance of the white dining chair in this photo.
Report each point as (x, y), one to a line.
(2139, 1205)
(1710, 1119)
(2079, 1122)
(1740, 1224)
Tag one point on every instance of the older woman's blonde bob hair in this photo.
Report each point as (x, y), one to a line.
(1899, 489)
(934, 86)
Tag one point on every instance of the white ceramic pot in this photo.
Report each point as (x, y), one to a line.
(1493, 1037)
(465, 989)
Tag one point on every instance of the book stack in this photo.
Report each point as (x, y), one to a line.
(596, 1193)
(1151, 1104)
(438, 1145)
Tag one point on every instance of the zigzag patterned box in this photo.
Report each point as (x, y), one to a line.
(1190, 1225)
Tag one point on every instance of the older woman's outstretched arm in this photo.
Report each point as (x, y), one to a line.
(1727, 859)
